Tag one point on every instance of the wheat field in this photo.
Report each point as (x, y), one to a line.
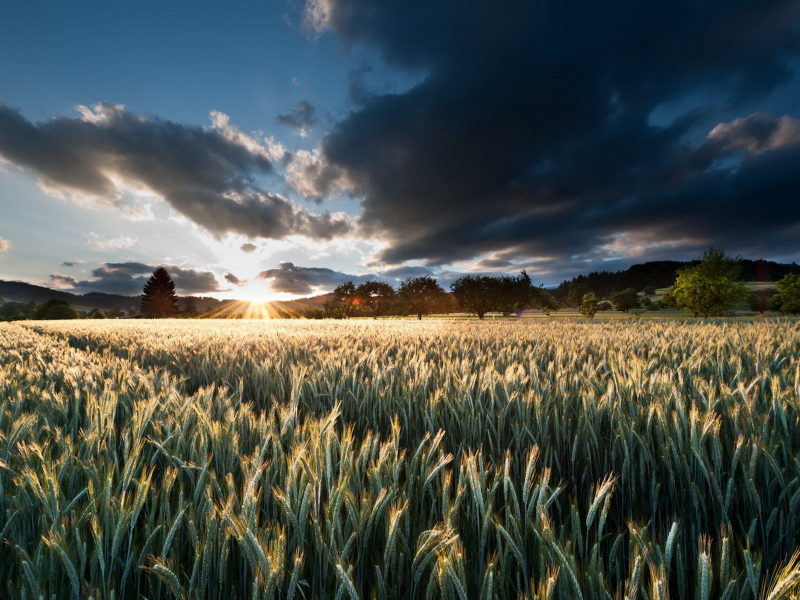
(397, 459)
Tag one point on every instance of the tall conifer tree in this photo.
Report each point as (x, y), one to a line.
(159, 299)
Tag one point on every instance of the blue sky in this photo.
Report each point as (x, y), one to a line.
(334, 139)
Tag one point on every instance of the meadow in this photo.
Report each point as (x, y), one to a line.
(400, 459)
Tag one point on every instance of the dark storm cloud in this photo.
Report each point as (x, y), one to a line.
(231, 278)
(302, 115)
(406, 272)
(530, 131)
(207, 174)
(67, 264)
(128, 278)
(248, 248)
(298, 280)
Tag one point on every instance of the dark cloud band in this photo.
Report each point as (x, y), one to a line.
(210, 175)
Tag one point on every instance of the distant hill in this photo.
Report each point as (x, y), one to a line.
(19, 291)
(662, 273)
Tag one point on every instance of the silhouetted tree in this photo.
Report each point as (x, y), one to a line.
(377, 296)
(476, 294)
(576, 293)
(625, 300)
(345, 302)
(116, 312)
(190, 312)
(513, 293)
(759, 300)
(544, 300)
(16, 311)
(96, 314)
(158, 297)
(421, 296)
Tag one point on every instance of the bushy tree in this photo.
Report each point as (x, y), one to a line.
(190, 312)
(421, 296)
(377, 296)
(96, 314)
(345, 303)
(16, 311)
(604, 305)
(544, 300)
(476, 294)
(709, 287)
(789, 289)
(513, 293)
(159, 299)
(576, 293)
(589, 305)
(56, 310)
(625, 300)
(116, 312)
(759, 300)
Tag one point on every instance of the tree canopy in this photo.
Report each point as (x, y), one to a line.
(625, 300)
(377, 296)
(345, 302)
(789, 289)
(159, 299)
(709, 287)
(421, 296)
(56, 310)
(475, 293)
(589, 305)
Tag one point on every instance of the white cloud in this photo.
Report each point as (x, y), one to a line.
(121, 242)
(317, 15)
(310, 175)
(139, 212)
(275, 150)
(221, 123)
(4, 245)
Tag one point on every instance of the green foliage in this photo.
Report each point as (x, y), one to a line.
(96, 314)
(589, 306)
(545, 301)
(760, 300)
(294, 459)
(604, 305)
(314, 313)
(512, 293)
(421, 296)
(159, 299)
(16, 311)
(625, 300)
(710, 287)
(789, 288)
(378, 297)
(345, 303)
(190, 312)
(477, 294)
(576, 293)
(55, 310)
(116, 312)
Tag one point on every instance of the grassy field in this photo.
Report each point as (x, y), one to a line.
(400, 459)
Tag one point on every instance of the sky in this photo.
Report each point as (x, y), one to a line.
(273, 150)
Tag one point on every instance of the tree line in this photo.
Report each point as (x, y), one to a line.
(419, 296)
(708, 287)
(652, 275)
